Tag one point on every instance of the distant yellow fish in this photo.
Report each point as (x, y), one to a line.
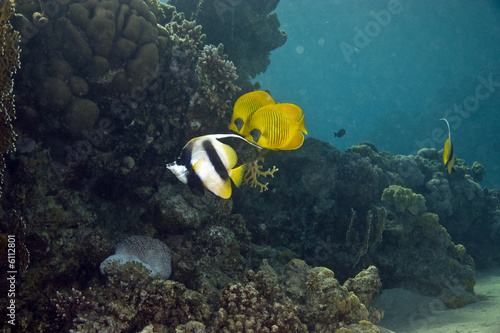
(245, 107)
(205, 162)
(448, 152)
(277, 127)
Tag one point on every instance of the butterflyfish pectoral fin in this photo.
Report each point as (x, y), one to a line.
(236, 175)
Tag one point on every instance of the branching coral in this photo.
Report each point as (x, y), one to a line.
(70, 306)
(186, 37)
(9, 63)
(253, 172)
(217, 76)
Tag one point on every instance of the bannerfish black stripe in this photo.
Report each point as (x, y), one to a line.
(215, 160)
(195, 184)
(450, 157)
(185, 158)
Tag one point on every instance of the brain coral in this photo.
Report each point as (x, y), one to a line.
(150, 252)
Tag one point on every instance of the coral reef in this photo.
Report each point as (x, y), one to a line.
(111, 90)
(9, 64)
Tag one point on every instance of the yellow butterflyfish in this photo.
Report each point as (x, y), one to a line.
(245, 107)
(448, 152)
(277, 127)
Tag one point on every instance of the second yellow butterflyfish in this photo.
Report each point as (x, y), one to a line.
(245, 107)
(277, 127)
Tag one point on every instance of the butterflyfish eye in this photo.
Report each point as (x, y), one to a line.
(238, 122)
(255, 133)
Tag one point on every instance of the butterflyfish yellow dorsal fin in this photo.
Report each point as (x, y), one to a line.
(290, 111)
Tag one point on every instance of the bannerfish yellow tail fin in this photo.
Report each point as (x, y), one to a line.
(236, 174)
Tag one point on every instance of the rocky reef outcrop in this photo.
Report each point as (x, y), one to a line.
(361, 207)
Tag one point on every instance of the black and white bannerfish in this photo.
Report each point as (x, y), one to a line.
(205, 162)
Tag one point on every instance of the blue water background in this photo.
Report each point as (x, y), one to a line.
(394, 88)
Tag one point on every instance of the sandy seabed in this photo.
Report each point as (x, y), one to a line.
(408, 312)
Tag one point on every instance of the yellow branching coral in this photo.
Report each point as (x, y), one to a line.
(254, 171)
(9, 63)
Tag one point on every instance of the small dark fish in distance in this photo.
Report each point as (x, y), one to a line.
(340, 133)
